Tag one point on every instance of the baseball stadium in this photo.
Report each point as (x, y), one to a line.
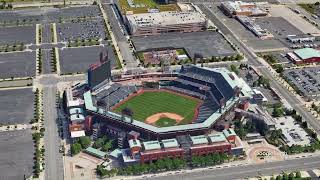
(164, 105)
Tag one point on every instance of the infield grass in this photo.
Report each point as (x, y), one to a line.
(165, 122)
(149, 103)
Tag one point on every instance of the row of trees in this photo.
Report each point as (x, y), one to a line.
(5, 5)
(243, 129)
(159, 166)
(37, 104)
(39, 60)
(53, 60)
(83, 42)
(38, 153)
(291, 176)
(209, 160)
(13, 47)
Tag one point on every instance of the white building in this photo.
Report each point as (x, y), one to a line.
(164, 22)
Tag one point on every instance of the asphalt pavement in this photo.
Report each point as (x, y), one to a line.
(53, 159)
(120, 36)
(238, 172)
(253, 60)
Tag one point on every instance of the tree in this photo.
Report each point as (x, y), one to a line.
(234, 68)
(75, 148)
(85, 141)
(291, 176)
(298, 174)
(277, 112)
(279, 177)
(99, 143)
(107, 146)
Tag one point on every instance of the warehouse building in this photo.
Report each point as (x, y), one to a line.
(301, 38)
(239, 8)
(164, 22)
(305, 55)
(254, 28)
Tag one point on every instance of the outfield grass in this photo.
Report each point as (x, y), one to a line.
(165, 122)
(149, 103)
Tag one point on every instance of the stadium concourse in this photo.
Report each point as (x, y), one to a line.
(218, 90)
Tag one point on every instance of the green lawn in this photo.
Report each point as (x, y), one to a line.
(308, 7)
(165, 122)
(149, 103)
(149, 4)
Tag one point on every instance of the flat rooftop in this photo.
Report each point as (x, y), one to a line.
(218, 137)
(170, 143)
(201, 139)
(165, 18)
(151, 145)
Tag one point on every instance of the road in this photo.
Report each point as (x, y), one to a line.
(239, 172)
(120, 35)
(53, 159)
(253, 60)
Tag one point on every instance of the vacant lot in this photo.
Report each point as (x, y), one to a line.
(207, 44)
(16, 106)
(150, 103)
(16, 154)
(73, 60)
(19, 64)
(293, 18)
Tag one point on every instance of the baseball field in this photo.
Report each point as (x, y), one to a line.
(161, 108)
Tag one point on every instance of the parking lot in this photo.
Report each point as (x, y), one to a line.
(306, 80)
(21, 34)
(246, 35)
(73, 60)
(16, 154)
(36, 15)
(278, 26)
(16, 106)
(82, 29)
(293, 18)
(69, 13)
(19, 64)
(207, 43)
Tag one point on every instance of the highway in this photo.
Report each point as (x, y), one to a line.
(53, 159)
(238, 172)
(252, 60)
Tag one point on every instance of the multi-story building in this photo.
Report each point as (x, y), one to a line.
(240, 8)
(164, 22)
(149, 151)
(213, 143)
